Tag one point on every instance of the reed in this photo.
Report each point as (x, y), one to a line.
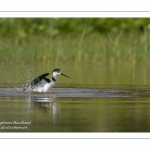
(81, 48)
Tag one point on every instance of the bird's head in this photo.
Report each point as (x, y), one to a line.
(57, 71)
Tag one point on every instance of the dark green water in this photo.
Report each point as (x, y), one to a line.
(102, 97)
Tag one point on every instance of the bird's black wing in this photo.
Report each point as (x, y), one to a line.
(39, 78)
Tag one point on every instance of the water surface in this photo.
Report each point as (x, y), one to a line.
(97, 98)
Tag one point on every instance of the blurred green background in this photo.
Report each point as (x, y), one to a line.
(79, 39)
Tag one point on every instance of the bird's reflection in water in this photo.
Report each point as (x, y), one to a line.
(43, 103)
(46, 104)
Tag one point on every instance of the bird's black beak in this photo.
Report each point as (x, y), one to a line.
(64, 75)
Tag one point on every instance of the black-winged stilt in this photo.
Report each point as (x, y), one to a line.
(43, 84)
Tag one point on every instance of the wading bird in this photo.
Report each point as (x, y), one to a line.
(43, 84)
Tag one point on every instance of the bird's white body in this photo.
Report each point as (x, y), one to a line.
(42, 84)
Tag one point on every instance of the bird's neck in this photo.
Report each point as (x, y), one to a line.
(54, 78)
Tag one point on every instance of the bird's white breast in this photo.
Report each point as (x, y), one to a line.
(43, 86)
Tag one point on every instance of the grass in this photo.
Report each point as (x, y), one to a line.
(80, 48)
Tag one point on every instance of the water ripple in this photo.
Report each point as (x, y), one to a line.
(76, 93)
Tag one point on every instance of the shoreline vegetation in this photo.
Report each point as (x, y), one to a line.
(82, 40)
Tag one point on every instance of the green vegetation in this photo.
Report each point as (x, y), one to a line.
(79, 39)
